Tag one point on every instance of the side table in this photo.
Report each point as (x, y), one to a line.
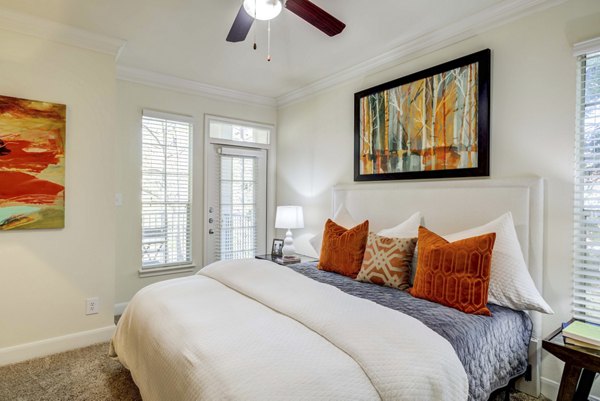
(279, 260)
(581, 366)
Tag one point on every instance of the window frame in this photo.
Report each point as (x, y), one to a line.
(180, 266)
(582, 303)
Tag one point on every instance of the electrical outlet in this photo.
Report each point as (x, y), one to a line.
(92, 306)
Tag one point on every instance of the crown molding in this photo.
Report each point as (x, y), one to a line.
(418, 45)
(54, 31)
(407, 49)
(190, 87)
(589, 46)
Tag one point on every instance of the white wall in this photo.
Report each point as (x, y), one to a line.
(132, 98)
(45, 275)
(532, 133)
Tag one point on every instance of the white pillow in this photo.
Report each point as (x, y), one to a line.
(407, 229)
(341, 217)
(510, 282)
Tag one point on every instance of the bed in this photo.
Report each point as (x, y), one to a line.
(493, 351)
(255, 330)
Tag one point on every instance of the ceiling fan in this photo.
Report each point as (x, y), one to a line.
(268, 9)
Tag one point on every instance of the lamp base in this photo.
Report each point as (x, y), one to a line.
(290, 259)
(288, 249)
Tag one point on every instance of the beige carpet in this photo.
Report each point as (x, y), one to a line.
(84, 374)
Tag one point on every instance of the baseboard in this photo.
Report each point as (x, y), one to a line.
(550, 390)
(120, 308)
(37, 349)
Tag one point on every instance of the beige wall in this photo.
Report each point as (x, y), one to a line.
(45, 275)
(532, 126)
(131, 99)
(48, 274)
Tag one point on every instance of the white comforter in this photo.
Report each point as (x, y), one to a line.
(253, 330)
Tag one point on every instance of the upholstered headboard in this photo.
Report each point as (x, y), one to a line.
(452, 206)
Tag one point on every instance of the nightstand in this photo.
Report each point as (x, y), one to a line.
(279, 260)
(579, 362)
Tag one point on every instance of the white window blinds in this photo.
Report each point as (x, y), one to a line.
(240, 199)
(166, 190)
(586, 258)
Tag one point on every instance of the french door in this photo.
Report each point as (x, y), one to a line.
(236, 212)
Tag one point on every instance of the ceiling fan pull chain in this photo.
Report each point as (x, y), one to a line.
(269, 41)
(254, 26)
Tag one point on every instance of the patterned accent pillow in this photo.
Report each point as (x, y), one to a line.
(387, 261)
(343, 249)
(455, 274)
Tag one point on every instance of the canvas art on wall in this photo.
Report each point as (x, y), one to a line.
(431, 124)
(32, 164)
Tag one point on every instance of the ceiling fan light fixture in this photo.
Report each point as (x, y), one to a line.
(263, 10)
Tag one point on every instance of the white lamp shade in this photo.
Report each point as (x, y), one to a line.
(289, 217)
(263, 9)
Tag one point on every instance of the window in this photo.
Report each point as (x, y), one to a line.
(238, 131)
(166, 190)
(586, 256)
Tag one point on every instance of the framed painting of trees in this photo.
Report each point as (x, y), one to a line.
(430, 124)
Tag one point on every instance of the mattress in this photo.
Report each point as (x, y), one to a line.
(493, 349)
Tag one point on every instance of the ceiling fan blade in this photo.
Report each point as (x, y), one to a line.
(241, 26)
(316, 16)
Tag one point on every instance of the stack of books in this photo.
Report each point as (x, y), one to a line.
(582, 334)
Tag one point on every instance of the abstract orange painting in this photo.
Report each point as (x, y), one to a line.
(32, 164)
(431, 124)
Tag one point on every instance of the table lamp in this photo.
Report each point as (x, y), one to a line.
(289, 217)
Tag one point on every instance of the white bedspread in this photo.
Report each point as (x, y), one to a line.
(252, 330)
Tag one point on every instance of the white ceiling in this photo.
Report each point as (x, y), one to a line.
(186, 38)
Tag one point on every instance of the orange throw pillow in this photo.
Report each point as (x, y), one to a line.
(455, 274)
(343, 249)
